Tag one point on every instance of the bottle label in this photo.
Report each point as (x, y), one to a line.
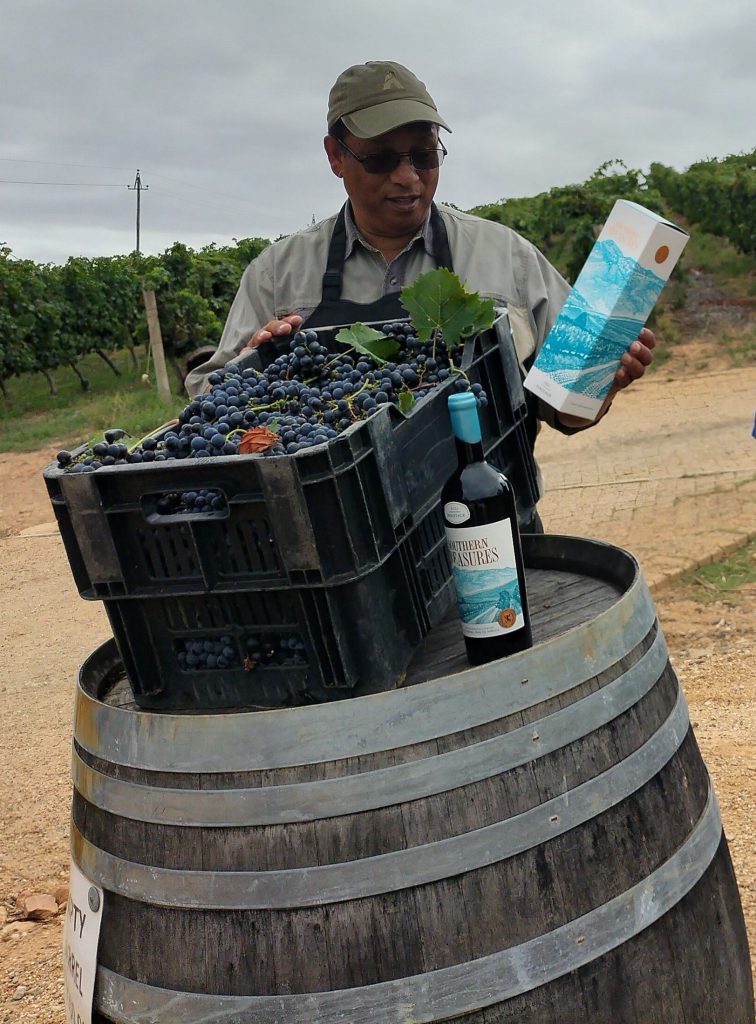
(456, 512)
(485, 578)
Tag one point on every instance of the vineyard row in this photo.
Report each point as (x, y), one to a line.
(51, 316)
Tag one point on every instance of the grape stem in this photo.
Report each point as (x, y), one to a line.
(157, 430)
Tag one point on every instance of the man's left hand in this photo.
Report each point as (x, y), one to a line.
(634, 361)
(639, 355)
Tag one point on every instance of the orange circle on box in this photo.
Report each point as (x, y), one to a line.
(661, 253)
(507, 618)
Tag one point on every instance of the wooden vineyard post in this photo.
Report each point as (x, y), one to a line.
(156, 344)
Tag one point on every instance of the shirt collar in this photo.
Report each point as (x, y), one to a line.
(424, 232)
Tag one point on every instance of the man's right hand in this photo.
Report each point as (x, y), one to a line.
(275, 329)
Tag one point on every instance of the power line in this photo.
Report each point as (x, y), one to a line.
(164, 193)
(109, 167)
(222, 202)
(74, 184)
(58, 163)
(161, 191)
(199, 188)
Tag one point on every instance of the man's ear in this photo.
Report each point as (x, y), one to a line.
(335, 155)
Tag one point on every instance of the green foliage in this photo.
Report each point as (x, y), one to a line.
(53, 316)
(439, 302)
(565, 222)
(194, 291)
(99, 303)
(19, 293)
(740, 345)
(718, 195)
(731, 269)
(731, 580)
(369, 341)
(406, 402)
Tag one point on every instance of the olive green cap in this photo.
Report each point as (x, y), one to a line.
(374, 98)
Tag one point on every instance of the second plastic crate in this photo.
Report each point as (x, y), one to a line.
(286, 646)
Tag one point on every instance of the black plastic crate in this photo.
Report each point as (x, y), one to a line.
(320, 517)
(356, 637)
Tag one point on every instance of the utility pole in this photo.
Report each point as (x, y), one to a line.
(138, 186)
(150, 306)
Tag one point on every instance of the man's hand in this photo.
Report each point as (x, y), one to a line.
(634, 361)
(275, 329)
(633, 366)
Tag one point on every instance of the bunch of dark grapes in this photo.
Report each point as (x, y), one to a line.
(274, 651)
(204, 499)
(431, 361)
(304, 398)
(200, 653)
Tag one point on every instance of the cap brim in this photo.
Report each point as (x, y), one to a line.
(385, 117)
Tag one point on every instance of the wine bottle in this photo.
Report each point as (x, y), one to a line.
(483, 539)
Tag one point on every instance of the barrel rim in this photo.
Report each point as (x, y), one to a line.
(317, 885)
(355, 792)
(285, 737)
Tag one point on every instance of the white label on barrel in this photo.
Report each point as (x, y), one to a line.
(82, 933)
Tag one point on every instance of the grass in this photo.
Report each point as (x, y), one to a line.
(33, 418)
(731, 580)
(733, 271)
(740, 346)
(663, 324)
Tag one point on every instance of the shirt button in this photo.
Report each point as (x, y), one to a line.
(393, 280)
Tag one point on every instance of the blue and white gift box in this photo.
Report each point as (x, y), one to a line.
(609, 303)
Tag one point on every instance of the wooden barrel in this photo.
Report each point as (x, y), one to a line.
(535, 840)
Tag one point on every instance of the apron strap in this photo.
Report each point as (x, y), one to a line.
(332, 278)
(441, 250)
(336, 255)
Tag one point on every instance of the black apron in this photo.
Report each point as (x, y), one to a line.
(334, 311)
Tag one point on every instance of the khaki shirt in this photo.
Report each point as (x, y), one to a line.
(489, 258)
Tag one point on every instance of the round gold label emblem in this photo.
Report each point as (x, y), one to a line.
(507, 618)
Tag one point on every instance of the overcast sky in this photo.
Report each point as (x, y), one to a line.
(222, 105)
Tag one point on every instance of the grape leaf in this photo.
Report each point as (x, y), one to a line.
(406, 401)
(369, 341)
(438, 301)
(258, 439)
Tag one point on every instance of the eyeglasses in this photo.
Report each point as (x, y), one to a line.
(386, 162)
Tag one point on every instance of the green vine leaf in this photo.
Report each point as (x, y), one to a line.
(406, 401)
(369, 341)
(438, 301)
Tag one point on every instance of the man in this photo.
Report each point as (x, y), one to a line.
(383, 142)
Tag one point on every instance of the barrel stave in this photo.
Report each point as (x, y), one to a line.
(388, 935)
(371, 833)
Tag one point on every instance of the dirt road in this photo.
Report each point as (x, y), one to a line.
(670, 475)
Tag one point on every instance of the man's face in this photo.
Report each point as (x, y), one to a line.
(391, 205)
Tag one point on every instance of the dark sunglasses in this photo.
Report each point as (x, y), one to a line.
(385, 163)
